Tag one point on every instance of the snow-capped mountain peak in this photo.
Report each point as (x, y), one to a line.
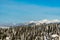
(45, 21)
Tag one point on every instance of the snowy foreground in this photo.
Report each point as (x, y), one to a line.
(31, 31)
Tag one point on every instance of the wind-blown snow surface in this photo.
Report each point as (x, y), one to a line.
(45, 21)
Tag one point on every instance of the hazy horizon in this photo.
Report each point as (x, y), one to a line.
(19, 11)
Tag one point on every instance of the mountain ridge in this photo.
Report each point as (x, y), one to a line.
(46, 21)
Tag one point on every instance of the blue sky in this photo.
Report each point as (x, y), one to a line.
(17, 11)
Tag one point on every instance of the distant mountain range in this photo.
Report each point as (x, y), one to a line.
(45, 21)
(31, 23)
